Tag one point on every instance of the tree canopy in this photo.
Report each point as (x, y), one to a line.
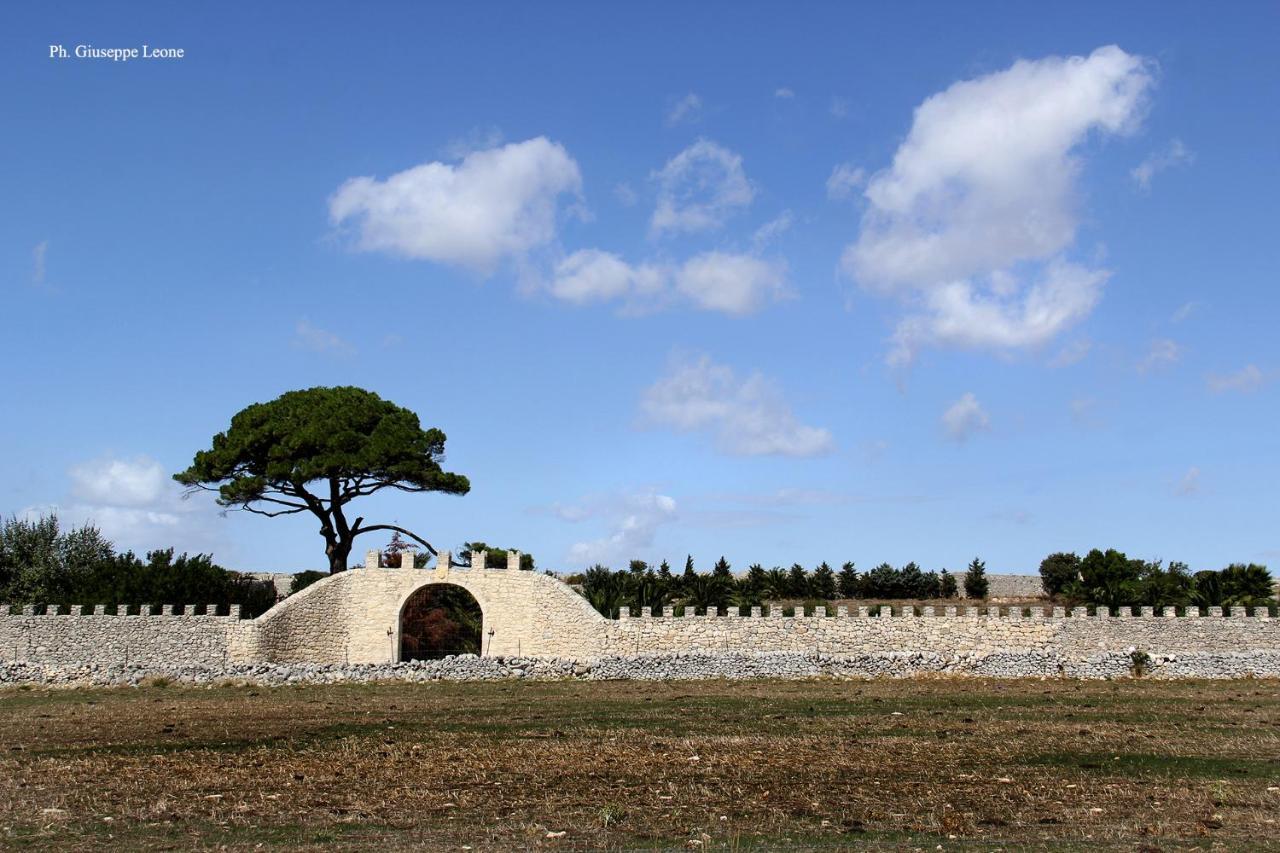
(316, 450)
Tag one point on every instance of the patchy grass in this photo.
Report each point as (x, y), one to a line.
(627, 765)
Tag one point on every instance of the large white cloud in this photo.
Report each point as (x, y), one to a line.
(970, 223)
(699, 189)
(493, 205)
(748, 417)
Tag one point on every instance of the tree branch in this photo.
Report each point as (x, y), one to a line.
(247, 508)
(356, 531)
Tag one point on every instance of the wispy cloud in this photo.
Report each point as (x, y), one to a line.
(1163, 352)
(1245, 380)
(965, 417)
(747, 417)
(1173, 154)
(1184, 311)
(315, 339)
(845, 181)
(38, 263)
(1072, 353)
(772, 230)
(699, 189)
(633, 520)
(687, 109)
(1189, 484)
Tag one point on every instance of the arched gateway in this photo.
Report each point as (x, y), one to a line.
(356, 616)
(438, 620)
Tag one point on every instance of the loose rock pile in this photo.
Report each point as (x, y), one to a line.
(662, 667)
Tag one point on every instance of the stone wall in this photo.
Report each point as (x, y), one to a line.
(151, 640)
(352, 619)
(948, 631)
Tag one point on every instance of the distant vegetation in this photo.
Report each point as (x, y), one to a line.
(640, 585)
(1101, 578)
(40, 563)
(1112, 579)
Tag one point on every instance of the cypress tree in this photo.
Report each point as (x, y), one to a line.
(848, 583)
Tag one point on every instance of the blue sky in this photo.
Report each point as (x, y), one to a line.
(835, 282)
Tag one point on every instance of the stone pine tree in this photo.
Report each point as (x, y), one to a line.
(664, 572)
(848, 581)
(721, 570)
(316, 451)
(947, 585)
(975, 579)
(689, 574)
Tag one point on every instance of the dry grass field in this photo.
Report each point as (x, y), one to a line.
(927, 764)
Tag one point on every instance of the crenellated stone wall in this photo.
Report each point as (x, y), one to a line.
(353, 618)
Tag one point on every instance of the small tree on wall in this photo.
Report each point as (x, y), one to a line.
(947, 585)
(975, 579)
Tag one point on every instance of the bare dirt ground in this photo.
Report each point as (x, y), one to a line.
(923, 764)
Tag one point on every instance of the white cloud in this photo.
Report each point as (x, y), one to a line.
(732, 284)
(965, 417)
(1173, 154)
(634, 518)
(494, 205)
(590, 275)
(699, 189)
(955, 315)
(970, 223)
(311, 337)
(1190, 482)
(748, 417)
(136, 506)
(1072, 353)
(844, 181)
(784, 93)
(839, 108)
(687, 108)
(37, 262)
(712, 281)
(772, 230)
(1184, 311)
(119, 482)
(1162, 353)
(1246, 379)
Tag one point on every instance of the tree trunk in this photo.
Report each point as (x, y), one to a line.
(339, 554)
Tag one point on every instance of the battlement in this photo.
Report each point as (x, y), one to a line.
(144, 611)
(887, 611)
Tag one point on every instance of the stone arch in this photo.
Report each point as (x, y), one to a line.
(354, 617)
(416, 595)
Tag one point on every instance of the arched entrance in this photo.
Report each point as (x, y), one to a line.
(438, 620)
